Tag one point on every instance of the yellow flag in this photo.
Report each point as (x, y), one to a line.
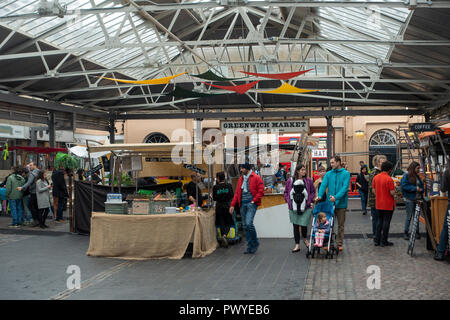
(287, 88)
(151, 81)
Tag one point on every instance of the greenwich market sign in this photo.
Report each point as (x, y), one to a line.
(280, 125)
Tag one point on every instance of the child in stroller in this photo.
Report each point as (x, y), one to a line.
(322, 229)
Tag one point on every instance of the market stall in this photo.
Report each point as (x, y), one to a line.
(150, 233)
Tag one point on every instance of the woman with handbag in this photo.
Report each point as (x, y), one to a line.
(300, 207)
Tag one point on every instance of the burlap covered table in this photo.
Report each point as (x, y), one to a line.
(152, 236)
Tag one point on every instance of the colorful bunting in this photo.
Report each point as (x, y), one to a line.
(209, 75)
(278, 76)
(183, 93)
(241, 89)
(151, 81)
(287, 88)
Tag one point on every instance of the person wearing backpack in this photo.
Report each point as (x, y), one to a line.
(299, 194)
(14, 196)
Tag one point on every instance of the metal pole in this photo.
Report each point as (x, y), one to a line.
(329, 139)
(92, 182)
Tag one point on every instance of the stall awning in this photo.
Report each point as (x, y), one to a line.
(36, 149)
(147, 149)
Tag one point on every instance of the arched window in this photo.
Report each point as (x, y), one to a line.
(156, 137)
(383, 138)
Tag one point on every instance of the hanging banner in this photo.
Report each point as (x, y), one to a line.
(150, 81)
(280, 125)
(287, 88)
(241, 89)
(209, 75)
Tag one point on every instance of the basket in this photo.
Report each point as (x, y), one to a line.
(140, 206)
(116, 207)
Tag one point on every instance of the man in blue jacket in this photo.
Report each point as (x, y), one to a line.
(337, 182)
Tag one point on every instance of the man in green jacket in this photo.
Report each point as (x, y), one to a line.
(15, 196)
(337, 182)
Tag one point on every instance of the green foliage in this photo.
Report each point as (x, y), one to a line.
(127, 181)
(66, 161)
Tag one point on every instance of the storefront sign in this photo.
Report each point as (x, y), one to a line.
(319, 153)
(280, 125)
(421, 127)
(11, 131)
(194, 168)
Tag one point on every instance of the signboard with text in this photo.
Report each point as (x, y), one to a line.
(319, 153)
(421, 127)
(280, 125)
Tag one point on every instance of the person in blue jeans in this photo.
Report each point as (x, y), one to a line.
(249, 191)
(443, 239)
(411, 185)
(14, 196)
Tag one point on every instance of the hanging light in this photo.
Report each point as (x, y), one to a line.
(359, 133)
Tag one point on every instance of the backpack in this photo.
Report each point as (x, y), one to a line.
(299, 197)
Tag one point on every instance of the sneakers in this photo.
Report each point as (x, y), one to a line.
(364, 213)
(439, 256)
(13, 226)
(386, 244)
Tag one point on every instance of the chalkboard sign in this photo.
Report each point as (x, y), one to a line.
(415, 226)
(93, 170)
(194, 168)
(421, 127)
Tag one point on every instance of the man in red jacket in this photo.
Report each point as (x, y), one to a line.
(249, 191)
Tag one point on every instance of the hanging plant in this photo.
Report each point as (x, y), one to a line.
(126, 180)
(66, 161)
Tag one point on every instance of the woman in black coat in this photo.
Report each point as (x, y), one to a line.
(362, 182)
(59, 192)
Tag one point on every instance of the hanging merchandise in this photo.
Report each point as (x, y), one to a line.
(5, 152)
(287, 88)
(278, 76)
(165, 80)
(209, 75)
(241, 89)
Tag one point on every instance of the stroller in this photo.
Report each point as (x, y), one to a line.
(329, 237)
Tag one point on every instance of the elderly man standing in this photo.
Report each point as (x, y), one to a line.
(337, 182)
(31, 183)
(249, 191)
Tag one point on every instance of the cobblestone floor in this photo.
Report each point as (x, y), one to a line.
(402, 276)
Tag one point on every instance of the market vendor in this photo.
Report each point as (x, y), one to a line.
(194, 193)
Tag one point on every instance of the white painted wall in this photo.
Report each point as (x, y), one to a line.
(273, 222)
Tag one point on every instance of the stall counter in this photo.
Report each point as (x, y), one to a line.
(157, 236)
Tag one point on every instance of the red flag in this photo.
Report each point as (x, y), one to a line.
(241, 89)
(278, 76)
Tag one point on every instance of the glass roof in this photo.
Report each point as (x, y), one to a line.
(372, 23)
(71, 32)
(115, 28)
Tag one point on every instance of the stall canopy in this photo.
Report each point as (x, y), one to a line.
(36, 149)
(82, 152)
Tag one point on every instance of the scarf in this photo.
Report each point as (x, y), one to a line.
(245, 182)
